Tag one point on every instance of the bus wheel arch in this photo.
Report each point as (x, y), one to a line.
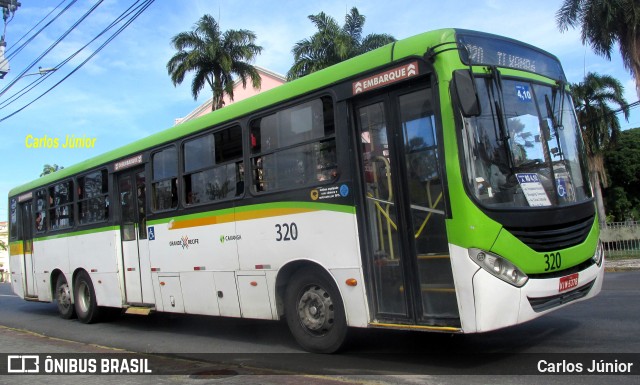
(62, 294)
(86, 304)
(313, 307)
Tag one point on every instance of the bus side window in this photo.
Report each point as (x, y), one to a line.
(13, 217)
(213, 168)
(294, 147)
(41, 211)
(165, 179)
(61, 205)
(93, 192)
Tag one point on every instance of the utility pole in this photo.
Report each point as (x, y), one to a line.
(9, 8)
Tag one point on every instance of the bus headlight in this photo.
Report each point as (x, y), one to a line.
(598, 257)
(499, 267)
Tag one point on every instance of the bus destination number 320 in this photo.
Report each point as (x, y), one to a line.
(286, 232)
(552, 261)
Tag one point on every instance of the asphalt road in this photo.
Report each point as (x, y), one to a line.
(228, 350)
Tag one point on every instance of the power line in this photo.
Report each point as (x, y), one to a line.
(51, 47)
(12, 54)
(140, 9)
(11, 99)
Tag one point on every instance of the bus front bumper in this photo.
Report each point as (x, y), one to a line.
(491, 303)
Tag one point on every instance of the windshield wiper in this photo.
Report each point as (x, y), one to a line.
(554, 122)
(502, 124)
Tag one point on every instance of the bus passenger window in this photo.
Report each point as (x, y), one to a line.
(294, 147)
(212, 171)
(41, 211)
(93, 195)
(165, 179)
(13, 217)
(61, 205)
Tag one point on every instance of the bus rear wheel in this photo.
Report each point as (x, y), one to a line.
(85, 299)
(63, 298)
(315, 312)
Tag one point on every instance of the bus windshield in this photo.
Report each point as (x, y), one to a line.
(525, 148)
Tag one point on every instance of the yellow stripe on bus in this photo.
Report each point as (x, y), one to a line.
(212, 220)
(15, 248)
(416, 327)
(239, 216)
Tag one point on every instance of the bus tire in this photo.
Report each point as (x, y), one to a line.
(315, 312)
(85, 299)
(63, 298)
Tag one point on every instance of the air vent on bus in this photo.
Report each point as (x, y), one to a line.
(545, 303)
(554, 237)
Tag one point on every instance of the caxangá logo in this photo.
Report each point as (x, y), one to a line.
(226, 238)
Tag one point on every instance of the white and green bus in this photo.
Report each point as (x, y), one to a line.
(438, 183)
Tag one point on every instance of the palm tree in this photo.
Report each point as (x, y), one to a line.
(599, 123)
(333, 44)
(214, 57)
(50, 168)
(604, 24)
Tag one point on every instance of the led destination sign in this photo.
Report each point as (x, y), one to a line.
(484, 49)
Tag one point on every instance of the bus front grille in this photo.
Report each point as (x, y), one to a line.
(556, 237)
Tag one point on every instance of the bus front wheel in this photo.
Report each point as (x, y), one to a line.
(315, 312)
(63, 298)
(85, 299)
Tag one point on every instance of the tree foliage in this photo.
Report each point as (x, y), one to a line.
(49, 168)
(214, 57)
(623, 165)
(593, 98)
(332, 43)
(604, 25)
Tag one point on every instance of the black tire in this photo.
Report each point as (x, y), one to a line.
(315, 312)
(63, 298)
(85, 299)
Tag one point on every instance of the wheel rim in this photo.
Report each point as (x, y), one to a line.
(84, 297)
(64, 296)
(315, 310)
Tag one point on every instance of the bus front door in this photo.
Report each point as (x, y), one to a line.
(404, 218)
(133, 232)
(26, 223)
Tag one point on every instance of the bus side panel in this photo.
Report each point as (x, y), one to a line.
(327, 237)
(194, 248)
(108, 289)
(199, 293)
(227, 293)
(42, 272)
(463, 271)
(191, 246)
(50, 254)
(353, 297)
(254, 295)
(98, 253)
(94, 252)
(15, 265)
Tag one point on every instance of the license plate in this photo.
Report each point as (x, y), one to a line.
(568, 282)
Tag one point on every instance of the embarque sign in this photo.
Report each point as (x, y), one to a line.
(386, 78)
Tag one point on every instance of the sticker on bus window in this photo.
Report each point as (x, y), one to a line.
(523, 93)
(533, 189)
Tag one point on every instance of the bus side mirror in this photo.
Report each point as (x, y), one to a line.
(466, 93)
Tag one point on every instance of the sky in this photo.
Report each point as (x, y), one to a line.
(124, 92)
